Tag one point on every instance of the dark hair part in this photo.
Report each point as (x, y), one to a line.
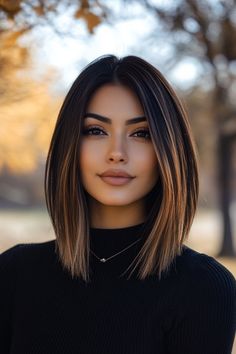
(172, 202)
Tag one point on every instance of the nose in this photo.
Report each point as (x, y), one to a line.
(117, 151)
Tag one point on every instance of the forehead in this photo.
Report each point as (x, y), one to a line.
(114, 99)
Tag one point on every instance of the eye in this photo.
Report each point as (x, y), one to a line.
(89, 131)
(94, 130)
(144, 132)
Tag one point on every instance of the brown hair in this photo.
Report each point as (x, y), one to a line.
(171, 203)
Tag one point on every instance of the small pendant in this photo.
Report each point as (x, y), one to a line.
(103, 260)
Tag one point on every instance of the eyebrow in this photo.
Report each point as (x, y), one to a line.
(109, 121)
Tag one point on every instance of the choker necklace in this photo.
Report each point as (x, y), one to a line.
(103, 260)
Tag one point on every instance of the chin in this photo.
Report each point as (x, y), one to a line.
(113, 201)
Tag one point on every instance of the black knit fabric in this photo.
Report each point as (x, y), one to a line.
(191, 310)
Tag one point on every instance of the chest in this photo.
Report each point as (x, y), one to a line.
(106, 317)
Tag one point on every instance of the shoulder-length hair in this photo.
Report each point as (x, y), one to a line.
(171, 203)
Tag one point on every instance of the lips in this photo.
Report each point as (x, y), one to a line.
(116, 181)
(116, 177)
(116, 173)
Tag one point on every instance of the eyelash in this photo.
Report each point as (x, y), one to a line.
(87, 130)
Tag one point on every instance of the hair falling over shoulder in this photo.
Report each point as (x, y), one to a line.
(172, 202)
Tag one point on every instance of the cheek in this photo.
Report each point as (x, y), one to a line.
(146, 159)
(88, 155)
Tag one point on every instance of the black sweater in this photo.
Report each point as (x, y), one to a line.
(43, 311)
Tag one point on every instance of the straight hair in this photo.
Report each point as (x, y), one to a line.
(171, 204)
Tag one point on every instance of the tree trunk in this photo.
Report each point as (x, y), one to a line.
(225, 172)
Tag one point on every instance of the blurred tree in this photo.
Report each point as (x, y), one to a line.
(28, 122)
(22, 15)
(204, 30)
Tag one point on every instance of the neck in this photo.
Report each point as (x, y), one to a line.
(113, 217)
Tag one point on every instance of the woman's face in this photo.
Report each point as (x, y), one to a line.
(114, 144)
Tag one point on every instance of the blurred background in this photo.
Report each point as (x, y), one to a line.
(43, 46)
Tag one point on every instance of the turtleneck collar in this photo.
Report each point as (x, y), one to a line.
(107, 242)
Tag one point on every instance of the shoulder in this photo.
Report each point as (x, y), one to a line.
(27, 248)
(24, 252)
(18, 266)
(203, 305)
(204, 275)
(196, 263)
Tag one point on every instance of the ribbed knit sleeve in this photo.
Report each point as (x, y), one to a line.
(206, 323)
(7, 288)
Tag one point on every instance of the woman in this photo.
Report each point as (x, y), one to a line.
(121, 186)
